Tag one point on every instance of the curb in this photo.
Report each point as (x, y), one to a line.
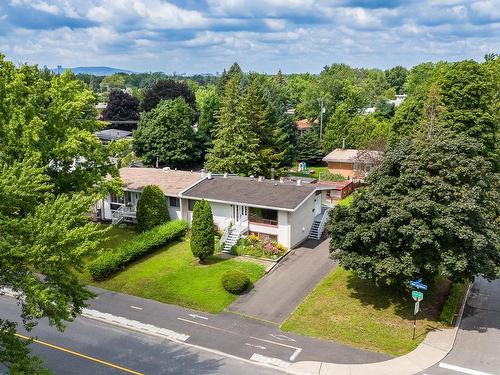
(436, 346)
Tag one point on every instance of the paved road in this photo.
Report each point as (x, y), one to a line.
(477, 347)
(277, 294)
(134, 353)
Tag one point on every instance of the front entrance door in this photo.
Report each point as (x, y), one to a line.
(239, 213)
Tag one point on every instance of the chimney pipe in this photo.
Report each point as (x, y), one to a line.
(209, 175)
(299, 182)
(225, 175)
(282, 180)
(272, 173)
(202, 173)
(343, 142)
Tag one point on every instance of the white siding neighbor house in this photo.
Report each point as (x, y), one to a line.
(285, 211)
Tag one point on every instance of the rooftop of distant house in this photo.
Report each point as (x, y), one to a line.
(170, 181)
(256, 192)
(305, 124)
(348, 155)
(108, 135)
(334, 185)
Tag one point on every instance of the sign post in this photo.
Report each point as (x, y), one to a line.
(417, 297)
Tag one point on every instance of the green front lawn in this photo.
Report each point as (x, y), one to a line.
(173, 275)
(347, 309)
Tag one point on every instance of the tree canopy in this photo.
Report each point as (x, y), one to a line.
(121, 107)
(431, 208)
(165, 134)
(51, 167)
(167, 89)
(151, 208)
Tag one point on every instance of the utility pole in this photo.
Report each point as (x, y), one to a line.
(322, 110)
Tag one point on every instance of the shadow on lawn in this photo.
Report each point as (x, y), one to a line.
(383, 297)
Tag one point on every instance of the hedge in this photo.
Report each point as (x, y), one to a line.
(235, 281)
(145, 243)
(451, 305)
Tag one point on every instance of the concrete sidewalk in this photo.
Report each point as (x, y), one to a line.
(278, 293)
(433, 349)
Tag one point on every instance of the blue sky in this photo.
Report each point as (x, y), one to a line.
(197, 36)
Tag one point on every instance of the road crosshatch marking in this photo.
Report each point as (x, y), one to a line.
(79, 354)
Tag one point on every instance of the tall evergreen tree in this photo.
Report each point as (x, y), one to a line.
(308, 148)
(203, 232)
(236, 145)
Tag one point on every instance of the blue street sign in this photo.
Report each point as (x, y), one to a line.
(418, 284)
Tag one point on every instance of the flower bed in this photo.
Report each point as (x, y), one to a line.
(254, 246)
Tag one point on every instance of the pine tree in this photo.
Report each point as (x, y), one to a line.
(203, 233)
(309, 149)
(236, 145)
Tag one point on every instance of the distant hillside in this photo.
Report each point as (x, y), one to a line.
(95, 70)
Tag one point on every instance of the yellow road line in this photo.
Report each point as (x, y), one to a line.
(79, 354)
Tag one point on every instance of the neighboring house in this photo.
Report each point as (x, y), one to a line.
(117, 208)
(334, 191)
(352, 164)
(304, 125)
(284, 211)
(108, 135)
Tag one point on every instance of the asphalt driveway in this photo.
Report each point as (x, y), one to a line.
(277, 294)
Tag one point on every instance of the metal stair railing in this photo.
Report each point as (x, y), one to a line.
(117, 215)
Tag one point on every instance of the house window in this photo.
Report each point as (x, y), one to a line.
(116, 199)
(263, 216)
(265, 236)
(191, 203)
(174, 202)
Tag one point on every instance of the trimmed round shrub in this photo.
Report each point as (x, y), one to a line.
(151, 208)
(235, 281)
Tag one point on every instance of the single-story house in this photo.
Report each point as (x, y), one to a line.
(116, 208)
(285, 211)
(277, 210)
(108, 135)
(352, 164)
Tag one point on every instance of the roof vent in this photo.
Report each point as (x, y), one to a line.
(252, 177)
(202, 173)
(166, 169)
(261, 178)
(225, 175)
(282, 180)
(209, 175)
(299, 182)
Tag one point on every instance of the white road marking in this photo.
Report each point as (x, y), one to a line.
(135, 307)
(256, 346)
(292, 357)
(281, 337)
(135, 325)
(198, 316)
(270, 361)
(296, 350)
(463, 369)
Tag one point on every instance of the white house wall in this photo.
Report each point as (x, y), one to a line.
(301, 220)
(221, 213)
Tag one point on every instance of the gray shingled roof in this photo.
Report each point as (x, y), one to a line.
(244, 190)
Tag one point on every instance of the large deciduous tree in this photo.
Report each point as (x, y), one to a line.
(55, 118)
(50, 166)
(167, 89)
(121, 107)
(165, 135)
(431, 208)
